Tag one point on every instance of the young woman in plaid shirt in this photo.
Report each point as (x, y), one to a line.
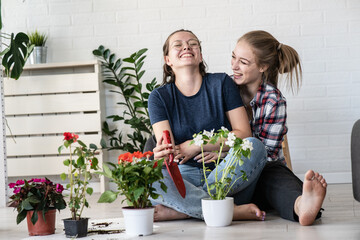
(257, 61)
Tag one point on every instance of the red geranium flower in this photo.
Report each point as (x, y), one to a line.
(148, 154)
(70, 136)
(126, 157)
(137, 155)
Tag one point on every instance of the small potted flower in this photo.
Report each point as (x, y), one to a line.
(219, 189)
(79, 176)
(37, 200)
(134, 175)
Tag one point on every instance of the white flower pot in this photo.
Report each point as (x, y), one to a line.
(138, 222)
(218, 213)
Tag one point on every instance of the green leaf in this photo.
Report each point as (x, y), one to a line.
(14, 60)
(140, 52)
(129, 60)
(34, 217)
(93, 146)
(66, 162)
(138, 192)
(106, 171)
(108, 197)
(21, 216)
(63, 176)
(96, 52)
(89, 190)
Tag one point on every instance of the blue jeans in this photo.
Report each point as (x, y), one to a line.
(196, 189)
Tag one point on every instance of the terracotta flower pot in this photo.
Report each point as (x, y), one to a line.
(76, 228)
(42, 227)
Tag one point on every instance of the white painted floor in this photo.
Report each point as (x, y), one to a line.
(341, 220)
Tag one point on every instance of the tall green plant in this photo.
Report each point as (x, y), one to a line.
(126, 78)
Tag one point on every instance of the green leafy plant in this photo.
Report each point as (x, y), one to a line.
(134, 175)
(16, 51)
(223, 179)
(37, 39)
(36, 194)
(127, 81)
(79, 173)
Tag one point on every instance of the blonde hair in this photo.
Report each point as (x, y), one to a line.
(279, 58)
(167, 70)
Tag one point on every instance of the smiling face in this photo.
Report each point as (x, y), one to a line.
(244, 66)
(183, 50)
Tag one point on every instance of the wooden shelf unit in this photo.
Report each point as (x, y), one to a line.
(48, 100)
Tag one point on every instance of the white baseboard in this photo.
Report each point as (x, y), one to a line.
(333, 178)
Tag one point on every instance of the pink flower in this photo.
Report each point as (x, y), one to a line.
(59, 188)
(20, 182)
(12, 185)
(38, 180)
(17, 190)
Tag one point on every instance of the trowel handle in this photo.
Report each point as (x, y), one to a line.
(167, 140)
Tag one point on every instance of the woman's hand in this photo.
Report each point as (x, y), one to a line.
(209, 157)
(185, 151)
(162, 150)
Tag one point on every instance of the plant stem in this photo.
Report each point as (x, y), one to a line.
(204, 171)
(83, 191)
(71, 186)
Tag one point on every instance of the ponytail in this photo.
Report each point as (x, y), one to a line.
(279, 59)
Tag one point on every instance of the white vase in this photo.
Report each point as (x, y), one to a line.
(218, 213)
(138, 222)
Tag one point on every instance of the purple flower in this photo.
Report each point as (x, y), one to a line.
(12, 185)
(59, 188)
(20, 182)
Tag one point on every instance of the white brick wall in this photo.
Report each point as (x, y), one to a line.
(326, 33)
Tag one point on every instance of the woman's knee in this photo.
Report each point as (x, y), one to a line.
(258, 148)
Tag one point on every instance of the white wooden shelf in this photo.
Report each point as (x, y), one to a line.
(46, 101)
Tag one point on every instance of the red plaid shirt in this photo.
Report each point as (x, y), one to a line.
(269, 120)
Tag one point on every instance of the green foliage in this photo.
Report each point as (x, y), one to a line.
(134, 180)
(37, 39)
(16, 54)
(223, 179)
(36, 194)
(132, 95)
(79, 173)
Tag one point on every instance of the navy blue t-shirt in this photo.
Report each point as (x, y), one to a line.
(205, 110)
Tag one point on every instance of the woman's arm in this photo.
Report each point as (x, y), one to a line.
(239, 122)
(162, 150)
(273, 127)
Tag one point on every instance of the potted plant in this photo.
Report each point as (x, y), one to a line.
(37, 200)
(219, 189)
(134, 175)
(40, 50)
(79, 176)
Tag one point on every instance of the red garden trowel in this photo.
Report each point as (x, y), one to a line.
(173, 168)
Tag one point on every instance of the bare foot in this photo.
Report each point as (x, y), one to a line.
(163, 213)
(308, 205)
(248, 212)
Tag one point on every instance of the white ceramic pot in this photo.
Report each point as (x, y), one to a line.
(138, 222)
(218, 213)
